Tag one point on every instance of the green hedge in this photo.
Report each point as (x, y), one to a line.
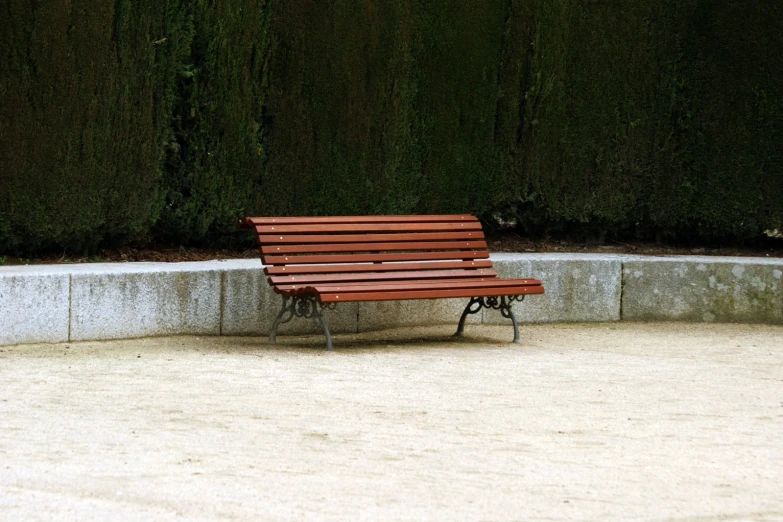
(86, 95)
(215, 161)
(654, 118)
(342, 130)
(648, 118)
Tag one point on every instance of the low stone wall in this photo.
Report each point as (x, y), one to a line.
(59, 303)
(723, 289)
(579, 288)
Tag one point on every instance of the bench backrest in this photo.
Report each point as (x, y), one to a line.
(299, 251)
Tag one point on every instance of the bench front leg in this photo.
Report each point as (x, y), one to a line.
(503, 303)
(508, 313)
(328, 336)
(474, 306)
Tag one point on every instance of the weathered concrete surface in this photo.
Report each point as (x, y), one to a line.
(142, 300)
(703, 289)
(250, 305)
(585, 287)
(243, 296)
(33, 307)
(232, 297)
(590, 422)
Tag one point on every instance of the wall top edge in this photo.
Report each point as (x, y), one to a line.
(249, 264)
(564, 256)
(131, 267)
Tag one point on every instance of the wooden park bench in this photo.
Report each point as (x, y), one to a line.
(317, 262)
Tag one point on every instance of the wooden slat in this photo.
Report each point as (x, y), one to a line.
(371, 227)
(368, 238)
(381, 258)
(254, 221)
(311, 279)
(429, 294)
(383, 267)
(372, 247)
(373, 258)
(422, 285)
(484, 277)
(311, 290)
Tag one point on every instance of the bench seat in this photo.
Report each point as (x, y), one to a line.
(315, 262)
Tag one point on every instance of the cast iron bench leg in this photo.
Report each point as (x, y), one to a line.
(475, 305)
(301, 306)
(285, 308)
(326, 331)
(508, 313)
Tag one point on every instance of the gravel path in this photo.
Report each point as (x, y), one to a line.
(582, 422)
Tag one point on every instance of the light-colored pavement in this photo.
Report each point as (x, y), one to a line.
(602, 422)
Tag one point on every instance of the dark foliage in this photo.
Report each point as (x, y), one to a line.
(654, 119)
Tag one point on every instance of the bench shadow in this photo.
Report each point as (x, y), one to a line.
(373, 341)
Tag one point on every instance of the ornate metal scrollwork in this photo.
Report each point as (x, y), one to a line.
(502, 303)
(304, 307)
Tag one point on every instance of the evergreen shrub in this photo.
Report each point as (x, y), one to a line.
(651, 119)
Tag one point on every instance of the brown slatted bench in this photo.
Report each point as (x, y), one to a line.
(317, 262)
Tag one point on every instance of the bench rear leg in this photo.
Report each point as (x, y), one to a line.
(305, 307)
(285, 308)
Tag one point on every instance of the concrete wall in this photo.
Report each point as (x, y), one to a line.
(579, 288)
(57, 303)
(729, 289)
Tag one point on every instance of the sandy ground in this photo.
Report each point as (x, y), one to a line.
(582, 422)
